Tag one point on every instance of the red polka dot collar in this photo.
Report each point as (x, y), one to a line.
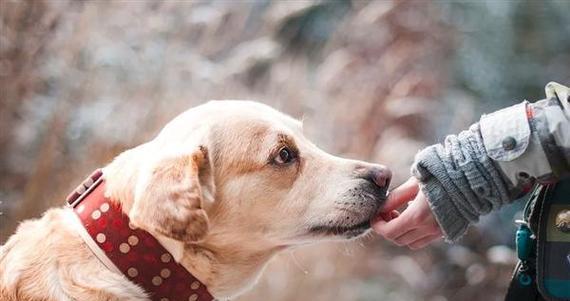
(133, 252)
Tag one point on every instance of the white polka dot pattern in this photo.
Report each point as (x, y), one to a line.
(133, 240)
(104, 207)
(165, 257)
(156, 280)
(96, 214)
(132, 272)
(124, 248)
(165, 273)
(101, 238)
(195, 285)
(135, 252)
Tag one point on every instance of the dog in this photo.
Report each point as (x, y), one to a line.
(223, 187)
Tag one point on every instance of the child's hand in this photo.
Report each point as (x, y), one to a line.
(416, 226)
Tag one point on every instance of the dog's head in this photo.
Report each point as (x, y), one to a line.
(244, 172)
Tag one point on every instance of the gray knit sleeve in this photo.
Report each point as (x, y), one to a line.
(496, 160)
(460, 181)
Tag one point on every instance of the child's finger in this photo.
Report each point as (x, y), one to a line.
(393, 228)
(401, 195)
(387, 216)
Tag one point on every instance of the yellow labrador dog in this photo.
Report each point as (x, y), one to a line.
(223, 188)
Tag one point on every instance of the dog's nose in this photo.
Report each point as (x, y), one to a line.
(379, 175)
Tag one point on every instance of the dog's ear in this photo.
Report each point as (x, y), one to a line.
(170, 201)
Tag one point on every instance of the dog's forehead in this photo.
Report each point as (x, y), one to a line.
(228, 112)
(254, 111)
(232, 119)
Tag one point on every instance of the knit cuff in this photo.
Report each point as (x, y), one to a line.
(460, 181)
(446, 214)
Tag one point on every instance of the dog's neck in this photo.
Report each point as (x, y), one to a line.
(226, 267)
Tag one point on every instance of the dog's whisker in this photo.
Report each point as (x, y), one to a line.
(347, 249)
(297, 263)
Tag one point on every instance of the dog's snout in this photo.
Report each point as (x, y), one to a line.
(380, 175)
(377, 174)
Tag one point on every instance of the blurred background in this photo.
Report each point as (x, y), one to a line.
(81, 81)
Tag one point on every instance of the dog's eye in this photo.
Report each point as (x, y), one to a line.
(285, 156)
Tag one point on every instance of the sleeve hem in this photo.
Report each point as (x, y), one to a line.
(447, 216)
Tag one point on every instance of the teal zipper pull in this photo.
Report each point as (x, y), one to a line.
(524, 240)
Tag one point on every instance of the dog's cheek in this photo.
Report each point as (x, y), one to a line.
(199, 225)
(183, 224)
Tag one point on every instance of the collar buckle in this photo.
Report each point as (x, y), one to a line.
(84, 189)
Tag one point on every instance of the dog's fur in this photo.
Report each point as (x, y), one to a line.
(211, 187)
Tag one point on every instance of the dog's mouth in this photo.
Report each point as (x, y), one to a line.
(355, 208)
(349, 231)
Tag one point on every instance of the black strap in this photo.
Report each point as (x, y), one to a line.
(519, 292)
(523, 285)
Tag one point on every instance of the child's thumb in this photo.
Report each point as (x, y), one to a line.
(401, 195)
